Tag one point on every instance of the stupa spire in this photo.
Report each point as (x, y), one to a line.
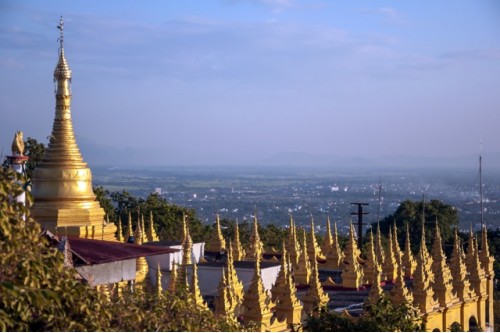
(224, 302)
(151, 233)
(62, 182)
(399, 293)
(390, 265)
(334, 254)
(288, 305)
(235, 285)
(443, 281)
(129, 227)
(172, 282)
(119, 232)
(141, 263)
(379, 248)
(159, 289)
(328, 239)
(315, 297)
(195, 289)
(256, 249)
(461, 284)
(423, 294)
(278, 287)
(371, 268)
(293, 246)
(408, 261)
(302, 271)
(352, 273)
(258, 306)
(238, 251)
(312, 245)
(217, 242)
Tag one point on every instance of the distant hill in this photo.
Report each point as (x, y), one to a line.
(98, 154)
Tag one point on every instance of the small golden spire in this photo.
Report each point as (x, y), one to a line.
(315, 297)
(312, 245)
(379, 248)
(233, 281)
(443, 281)
(195, 289)
(151, 233)
(138, 233)
(302, 271)
(390, 267)
(334, 255)
(238, 251)
(217, 242)
(288, 305)
(461, 284)
(328, 240)
(376, 290)
(293, 246)
(172, 282)
(423, 294)
(187, 244)
(223, 302)
(129, 227)
(256, 248)
(399, 293)
(258, 306)
(159, 289)
(371, 268)
(278, 287)
(352, 274)
(119, 232)
(408, 261)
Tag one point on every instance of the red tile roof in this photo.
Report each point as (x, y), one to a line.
(93, 251)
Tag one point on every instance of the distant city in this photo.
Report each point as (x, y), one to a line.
(273, 193)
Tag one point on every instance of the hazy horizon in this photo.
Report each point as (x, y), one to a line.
(234, 82)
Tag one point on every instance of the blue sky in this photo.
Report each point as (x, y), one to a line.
(238, 81)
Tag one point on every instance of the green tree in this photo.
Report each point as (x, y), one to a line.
(34, 150)
(410, 213)
(381, 316)
(103, 196)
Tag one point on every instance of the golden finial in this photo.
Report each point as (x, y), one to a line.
(61, 32)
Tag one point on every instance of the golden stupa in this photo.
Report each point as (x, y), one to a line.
(64, 201)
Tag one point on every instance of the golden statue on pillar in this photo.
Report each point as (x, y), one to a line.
(18, 144)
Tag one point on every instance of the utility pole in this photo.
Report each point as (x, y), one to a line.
(360, 214)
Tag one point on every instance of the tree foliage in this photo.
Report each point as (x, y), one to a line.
(381, 316)
(34, 150)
